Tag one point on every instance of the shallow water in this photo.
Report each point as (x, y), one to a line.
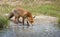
(39, 29)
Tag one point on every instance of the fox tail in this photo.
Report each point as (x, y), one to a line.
(10, 16)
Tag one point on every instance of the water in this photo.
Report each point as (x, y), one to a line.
(40, 29)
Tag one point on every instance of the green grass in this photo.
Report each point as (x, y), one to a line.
(52, 10)
(3, 22)
(47, 9)
(5, 8)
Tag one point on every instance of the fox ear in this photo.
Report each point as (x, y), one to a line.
(33, 16)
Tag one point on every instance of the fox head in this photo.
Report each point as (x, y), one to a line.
(31, 19)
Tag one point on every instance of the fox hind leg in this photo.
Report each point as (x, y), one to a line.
(23, 20)
(18, 19)
(27, 22)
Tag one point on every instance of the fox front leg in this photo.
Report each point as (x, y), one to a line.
(28, 23)
(23, 20)
(16, 21)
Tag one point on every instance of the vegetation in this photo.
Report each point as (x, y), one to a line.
(3, 22)
(52, 8)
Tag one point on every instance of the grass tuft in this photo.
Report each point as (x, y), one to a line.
(3, 22)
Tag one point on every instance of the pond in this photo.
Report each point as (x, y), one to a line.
(39, 29)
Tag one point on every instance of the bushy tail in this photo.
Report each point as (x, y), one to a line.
(10, 16)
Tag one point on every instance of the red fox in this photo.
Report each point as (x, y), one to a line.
(20, 12)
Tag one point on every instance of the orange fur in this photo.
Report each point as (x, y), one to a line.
(20, 12)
